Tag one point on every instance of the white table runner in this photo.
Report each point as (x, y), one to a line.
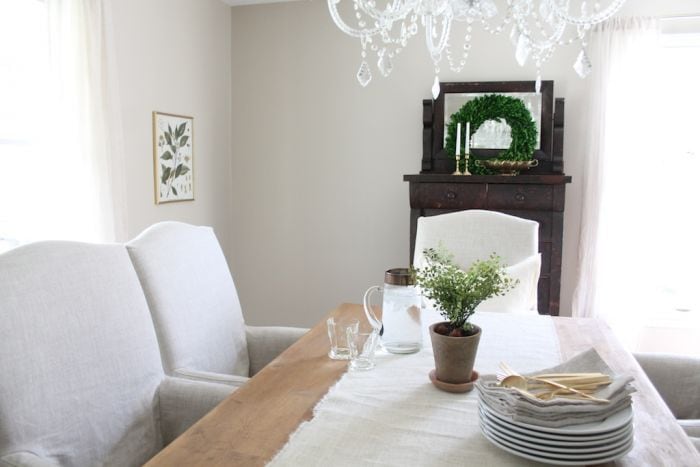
(393, 415)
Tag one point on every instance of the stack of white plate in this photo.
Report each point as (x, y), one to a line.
(592, 443)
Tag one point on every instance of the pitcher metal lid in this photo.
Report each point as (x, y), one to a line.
(399, 276)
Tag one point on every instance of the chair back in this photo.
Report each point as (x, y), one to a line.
(677, 378)
(474, 235)
(79, 360)
(192, 298)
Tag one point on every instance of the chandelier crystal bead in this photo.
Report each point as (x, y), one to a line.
(583, 66)
(384, 27)
(364, 75)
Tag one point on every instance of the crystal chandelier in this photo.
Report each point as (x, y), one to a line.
(537, 28)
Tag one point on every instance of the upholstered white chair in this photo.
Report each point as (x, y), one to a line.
(677, 378)
(81, 379)
(195, 307)
(474, 235)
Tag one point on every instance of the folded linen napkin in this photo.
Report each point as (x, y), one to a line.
(559, 412)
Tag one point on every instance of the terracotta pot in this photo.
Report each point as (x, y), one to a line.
(454, 356)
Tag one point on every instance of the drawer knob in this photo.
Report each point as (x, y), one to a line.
(451, 195)
(519, 197)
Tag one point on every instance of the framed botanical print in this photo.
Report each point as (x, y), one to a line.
(173, 166)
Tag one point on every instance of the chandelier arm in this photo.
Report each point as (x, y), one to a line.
(390, 15)
(547, 42)
(541, 45)
(446, 25)
(590, 20)
(333, 8)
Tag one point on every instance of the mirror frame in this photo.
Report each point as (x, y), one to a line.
(434, 159)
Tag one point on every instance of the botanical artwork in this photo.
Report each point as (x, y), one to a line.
(172, 154)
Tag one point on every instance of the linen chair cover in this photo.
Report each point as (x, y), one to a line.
(677, 378)
(195, 306)
(473, 235)
(80, 369)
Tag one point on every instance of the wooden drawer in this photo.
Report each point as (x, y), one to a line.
(448, 196)
(515, 196)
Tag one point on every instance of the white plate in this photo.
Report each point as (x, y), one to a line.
(557, 460)
(552, 439)
(612, 423)
(557, 455)
(600, 449)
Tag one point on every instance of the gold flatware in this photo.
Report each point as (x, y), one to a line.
(569, 385)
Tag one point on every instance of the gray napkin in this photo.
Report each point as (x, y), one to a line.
(559, 412)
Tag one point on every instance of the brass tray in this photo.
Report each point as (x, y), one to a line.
(504, 167)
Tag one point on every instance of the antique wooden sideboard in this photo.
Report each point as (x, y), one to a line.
(537, 194)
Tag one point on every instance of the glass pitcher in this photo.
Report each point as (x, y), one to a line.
(401, 304)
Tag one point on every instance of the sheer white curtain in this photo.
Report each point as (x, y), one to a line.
(620, 123)
(66, 180)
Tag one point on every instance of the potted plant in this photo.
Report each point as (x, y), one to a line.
(457, 293)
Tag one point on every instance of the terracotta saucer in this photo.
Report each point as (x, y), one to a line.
(450, 387)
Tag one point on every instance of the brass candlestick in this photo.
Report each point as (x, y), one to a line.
(466, 165)
(457, 172)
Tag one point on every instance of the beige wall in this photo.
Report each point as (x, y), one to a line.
(319, 206)
(175, 56)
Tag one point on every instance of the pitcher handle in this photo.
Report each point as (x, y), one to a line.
(371, 317)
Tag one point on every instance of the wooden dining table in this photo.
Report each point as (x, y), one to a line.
(255, 421)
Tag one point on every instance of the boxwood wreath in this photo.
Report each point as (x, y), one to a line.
(523, 129)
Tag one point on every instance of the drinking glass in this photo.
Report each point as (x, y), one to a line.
(338, 328)
(362, 347)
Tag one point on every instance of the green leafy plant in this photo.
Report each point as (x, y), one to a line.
(456, 292)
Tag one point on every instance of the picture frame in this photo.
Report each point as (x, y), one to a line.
(173, 157)
(548, 151)
(467, 90)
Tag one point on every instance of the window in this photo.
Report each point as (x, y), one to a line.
(24, 64)
(61, 174)
(649, 246)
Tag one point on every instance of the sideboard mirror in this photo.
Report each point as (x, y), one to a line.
(454, 95)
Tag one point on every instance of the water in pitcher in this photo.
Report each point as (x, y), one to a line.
(401, 319)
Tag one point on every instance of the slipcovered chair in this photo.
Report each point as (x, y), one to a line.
(195, 307)
(677, 378)
(81, 380)
(474, 235)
